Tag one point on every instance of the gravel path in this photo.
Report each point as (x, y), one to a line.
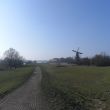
(27, 97)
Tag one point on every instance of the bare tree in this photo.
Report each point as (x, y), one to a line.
(12, 58)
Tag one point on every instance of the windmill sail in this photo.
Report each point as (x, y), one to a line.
(74, 50)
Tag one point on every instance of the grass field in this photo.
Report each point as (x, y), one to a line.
(78, 87)
(11, 79)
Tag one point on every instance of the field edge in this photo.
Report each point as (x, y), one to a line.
(3, 94)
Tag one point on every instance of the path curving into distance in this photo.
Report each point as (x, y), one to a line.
(27, 97)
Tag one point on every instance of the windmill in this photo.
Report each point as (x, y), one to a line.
(77, 57)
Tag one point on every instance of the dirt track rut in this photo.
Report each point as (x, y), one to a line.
(27, 97)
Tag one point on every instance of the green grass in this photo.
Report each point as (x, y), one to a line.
(11, 79)
(79, 87)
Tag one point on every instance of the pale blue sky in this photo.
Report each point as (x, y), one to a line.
(43, 29)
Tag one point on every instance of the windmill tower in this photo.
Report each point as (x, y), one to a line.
(77, 57)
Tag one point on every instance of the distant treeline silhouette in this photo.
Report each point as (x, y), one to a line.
(97, 60)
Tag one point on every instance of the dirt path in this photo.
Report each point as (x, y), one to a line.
(27, 97)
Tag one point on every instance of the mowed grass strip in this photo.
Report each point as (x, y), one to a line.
(11, 79)
(80, 87)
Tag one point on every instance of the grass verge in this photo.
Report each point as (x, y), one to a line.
(11, 79)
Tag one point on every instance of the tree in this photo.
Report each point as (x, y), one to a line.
(69, 60)
(12, 58)
(85, 61)
(101, 60)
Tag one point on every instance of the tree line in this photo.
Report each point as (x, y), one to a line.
(97, 60)
(12, 59)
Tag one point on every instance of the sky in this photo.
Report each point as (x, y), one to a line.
(45, 29)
